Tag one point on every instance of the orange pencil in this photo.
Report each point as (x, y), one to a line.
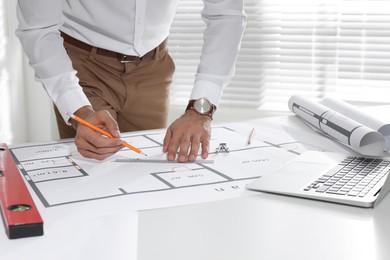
(97, 129)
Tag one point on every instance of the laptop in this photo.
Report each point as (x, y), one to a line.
(327, 176)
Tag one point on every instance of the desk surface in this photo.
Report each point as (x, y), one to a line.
(259, 226)
(265, 226)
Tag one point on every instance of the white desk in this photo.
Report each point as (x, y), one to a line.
(268, 227)
(260, 226)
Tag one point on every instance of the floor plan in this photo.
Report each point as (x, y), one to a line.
(59, 175)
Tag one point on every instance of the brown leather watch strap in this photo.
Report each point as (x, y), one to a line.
(209, 113)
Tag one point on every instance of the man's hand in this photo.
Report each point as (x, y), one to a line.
(187, 134)
(90, 143)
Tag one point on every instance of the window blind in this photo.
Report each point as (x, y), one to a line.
(309, 47)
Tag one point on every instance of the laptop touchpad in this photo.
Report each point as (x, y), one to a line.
(299, 168)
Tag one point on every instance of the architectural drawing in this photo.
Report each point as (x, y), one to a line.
(59, 175)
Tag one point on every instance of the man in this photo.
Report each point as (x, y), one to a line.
(107, 62)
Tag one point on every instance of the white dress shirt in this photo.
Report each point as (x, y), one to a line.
(131, 27)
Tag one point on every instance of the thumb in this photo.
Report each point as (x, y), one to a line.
(110, 124)
(115, 133)
(113, 128)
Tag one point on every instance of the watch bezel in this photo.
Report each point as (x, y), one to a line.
(202, 106)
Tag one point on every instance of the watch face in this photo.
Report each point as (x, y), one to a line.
(202, 105)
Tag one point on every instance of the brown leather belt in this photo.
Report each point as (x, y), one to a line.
(123, 58)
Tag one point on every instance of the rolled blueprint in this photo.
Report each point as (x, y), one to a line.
(349, 132)
(359, 116)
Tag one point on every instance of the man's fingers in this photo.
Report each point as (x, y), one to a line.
(167, 139)
(185, 144)
(194, 149)
(186, 135)
(91, 144)
(171, 144)
(110, 124)
(91, 154)
(205, 148)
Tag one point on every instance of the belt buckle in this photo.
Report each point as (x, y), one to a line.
(122, 59)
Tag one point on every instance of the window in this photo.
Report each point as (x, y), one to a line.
(310, 47)
(5, 97)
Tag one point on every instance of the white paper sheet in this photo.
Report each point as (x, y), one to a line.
(65, 181)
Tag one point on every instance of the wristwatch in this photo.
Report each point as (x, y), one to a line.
(202, 106)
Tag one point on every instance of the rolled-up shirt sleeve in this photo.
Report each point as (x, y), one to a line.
(225, 23)
(38, 31)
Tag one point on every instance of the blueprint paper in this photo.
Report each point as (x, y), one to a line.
(64, 181)
(345, 130)
(359, 116)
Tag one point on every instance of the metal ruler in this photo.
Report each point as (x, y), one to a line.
(132, 160)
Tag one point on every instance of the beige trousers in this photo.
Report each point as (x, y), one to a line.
(136, 93)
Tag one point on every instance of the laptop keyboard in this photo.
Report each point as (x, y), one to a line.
(357, 176)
